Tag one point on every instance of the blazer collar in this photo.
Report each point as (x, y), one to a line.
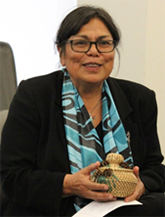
(121, 102)
(58, 85)
(125, 110)
(58, 107)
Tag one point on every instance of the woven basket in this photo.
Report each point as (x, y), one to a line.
(121, 181)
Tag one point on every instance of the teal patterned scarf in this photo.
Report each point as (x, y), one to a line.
(84, 145)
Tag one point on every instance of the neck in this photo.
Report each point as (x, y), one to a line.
(90, 95)
(88, 90)
(91, 98)
(91, 92)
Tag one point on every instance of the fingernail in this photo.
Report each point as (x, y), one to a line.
(106, 188)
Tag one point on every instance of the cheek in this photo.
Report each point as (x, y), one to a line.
(74, 61)
(110, 59)
(70, 58)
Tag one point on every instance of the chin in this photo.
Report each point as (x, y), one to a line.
(95, 81)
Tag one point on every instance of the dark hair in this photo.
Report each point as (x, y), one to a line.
(73, 22)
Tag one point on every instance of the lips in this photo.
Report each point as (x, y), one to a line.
(92, 65)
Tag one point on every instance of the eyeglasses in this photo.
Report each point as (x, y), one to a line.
(83, 46)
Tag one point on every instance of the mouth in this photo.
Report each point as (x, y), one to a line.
(92, 65)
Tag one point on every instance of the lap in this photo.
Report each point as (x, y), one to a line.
(153, 205)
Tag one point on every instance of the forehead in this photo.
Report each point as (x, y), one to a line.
(95, 27)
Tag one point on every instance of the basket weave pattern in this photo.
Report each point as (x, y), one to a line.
(121, 181)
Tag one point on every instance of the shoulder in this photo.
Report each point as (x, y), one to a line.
(42, 84)
(127, 85)
(44, 79)
(141, 99)
(39, 90)
(133, 90)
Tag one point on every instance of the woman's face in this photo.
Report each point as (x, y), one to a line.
(91, 67)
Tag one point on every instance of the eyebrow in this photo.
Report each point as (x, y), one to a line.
(100, 37)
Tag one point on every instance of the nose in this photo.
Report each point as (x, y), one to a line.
(93, 50)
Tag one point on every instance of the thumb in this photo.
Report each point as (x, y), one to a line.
(87, 170)
(136, 171)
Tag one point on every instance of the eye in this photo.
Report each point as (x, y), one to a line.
(80, 42)
(105, 42)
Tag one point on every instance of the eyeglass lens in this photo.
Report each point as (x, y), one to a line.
(104, 46)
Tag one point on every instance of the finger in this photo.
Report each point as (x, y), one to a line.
(97, 186)
(137, 193)
(100, 196)
(87, 170)
(135, 196)
(136, 171)
(130, 198)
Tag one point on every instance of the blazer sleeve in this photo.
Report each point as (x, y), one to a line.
(22, 181)
(152, 172)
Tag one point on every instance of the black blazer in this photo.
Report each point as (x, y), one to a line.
(34, 157)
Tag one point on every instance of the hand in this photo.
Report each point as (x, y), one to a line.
(140, 188)
(81, 185)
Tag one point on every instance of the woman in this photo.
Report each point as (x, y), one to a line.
(61, 125)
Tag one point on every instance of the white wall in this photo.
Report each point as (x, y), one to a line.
(142, 23)
(29, 26)
(155, 59)
(130, 15)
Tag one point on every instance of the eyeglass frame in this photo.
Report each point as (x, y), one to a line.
(90, 44)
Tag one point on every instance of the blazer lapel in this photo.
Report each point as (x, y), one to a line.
(58, 108)
(125, 110)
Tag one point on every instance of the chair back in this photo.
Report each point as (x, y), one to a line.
(8, 83)
(3, 199)
(3, 116)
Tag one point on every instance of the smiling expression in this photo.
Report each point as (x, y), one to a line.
(91, 67)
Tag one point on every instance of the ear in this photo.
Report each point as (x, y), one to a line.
(61, 55)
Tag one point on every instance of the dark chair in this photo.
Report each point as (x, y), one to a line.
(8, 84)
(3, 198)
